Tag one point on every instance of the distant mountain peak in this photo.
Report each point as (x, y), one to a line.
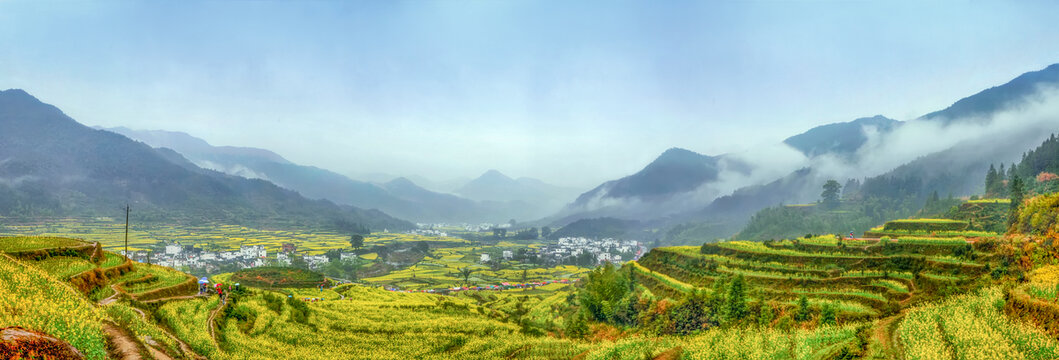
(195, 147)
(978, 107)
(677, 155)
(17, 93)
(676, 151)
(401, 182)
(838, 138)
(495, 174)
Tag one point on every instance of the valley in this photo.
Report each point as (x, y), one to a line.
(545, 180)
(813, 297)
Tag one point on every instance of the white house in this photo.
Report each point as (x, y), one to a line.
(508, 254)
(282, 258)
(253, 251)
(173, 249)
(347, 256)
(316, 260)
(485, 257)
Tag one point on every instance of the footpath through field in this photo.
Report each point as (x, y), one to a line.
(126, 345)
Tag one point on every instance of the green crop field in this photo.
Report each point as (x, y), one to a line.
(808, 298)
(221, 237)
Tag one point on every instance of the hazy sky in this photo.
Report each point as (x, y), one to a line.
(571, 92)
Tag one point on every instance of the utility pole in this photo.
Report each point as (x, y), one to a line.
(126, 231)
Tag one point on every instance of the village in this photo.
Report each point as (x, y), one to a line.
(601, 250)
(197, 259)
(567, 250)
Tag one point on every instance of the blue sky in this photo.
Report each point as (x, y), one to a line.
(574, 93)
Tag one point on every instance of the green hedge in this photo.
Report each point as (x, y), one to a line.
(926, 225)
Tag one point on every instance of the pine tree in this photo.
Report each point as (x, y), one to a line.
(990, 181)
(830, 195)
(717, 298)
(827, 315)
(737, 299)
(803, 309)
(576, 327)
(1016, 198)
(765, 318)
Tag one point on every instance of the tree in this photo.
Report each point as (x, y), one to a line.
(991, 181)
(803, 309)
(691, 314)
(297, 261)
(830, 195)
(466, 272)
(356, 241)
(546, 232)
(717, 300)
(576, 327)
(1016, 198)
(737, 299)
(850, 190)
(827, 314)
(766, 316)
(604, 288)
(499, 233)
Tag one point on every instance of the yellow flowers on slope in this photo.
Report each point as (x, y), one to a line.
(971, 327)
(32, 299)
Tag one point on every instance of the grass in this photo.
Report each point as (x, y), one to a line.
(150, 277)
(972, 326)
(989, 201)
(63, 267)
(111, 260)
(29, 243)
(894, 285)
(33, 299)
(665, 279)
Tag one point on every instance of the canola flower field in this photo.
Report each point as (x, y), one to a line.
(110, 233)
(958, 327)
(33, 299)
(368, 321)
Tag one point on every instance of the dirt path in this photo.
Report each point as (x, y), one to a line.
(911, 293)
(209, 322)
(881, 335)
(184, 297)
(671, 354)
(158, 355)
(111, 298)
(126, 347)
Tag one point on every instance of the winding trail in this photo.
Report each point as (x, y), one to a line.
(126, 347)
(111, 298)
(122, 340)
(209, 322)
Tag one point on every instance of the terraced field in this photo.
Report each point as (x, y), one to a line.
(935, 228)
(63, 267)
(32, 298)
(864, 278)
(442, 270)
(220, 237)
(149, 278)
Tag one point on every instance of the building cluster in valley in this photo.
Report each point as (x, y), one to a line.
(248, 256)
(602, 250)
(430, 228)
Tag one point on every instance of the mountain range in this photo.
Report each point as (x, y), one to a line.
(943, 151)
(50, 165)
(492, 197)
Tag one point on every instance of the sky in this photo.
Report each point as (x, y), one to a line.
(573, 93)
